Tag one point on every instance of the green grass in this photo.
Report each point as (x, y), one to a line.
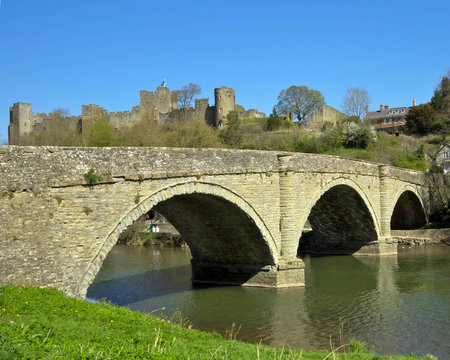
(46, 324)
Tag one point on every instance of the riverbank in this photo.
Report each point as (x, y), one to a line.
(422, 236)
(154, 239)
(44, 323)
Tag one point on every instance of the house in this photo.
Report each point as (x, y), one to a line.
(388, 119)
(443, 158)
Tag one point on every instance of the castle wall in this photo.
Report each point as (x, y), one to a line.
(90, 114)
(42, 121)
(322, 115)
(201, 112)
(252, 113)
(124, 118)
(158, 106)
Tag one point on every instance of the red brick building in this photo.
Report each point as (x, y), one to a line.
(388, 119)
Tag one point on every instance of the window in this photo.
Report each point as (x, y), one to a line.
(375, 123)
(390, 121)
(447, 155)
(384, 122)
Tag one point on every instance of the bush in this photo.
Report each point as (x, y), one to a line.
(144, 133)
(195, 134)
(91, 177)
(101, 134)
(436, 169)
(356, 346)
(276, 122)
(422, 120)
(232, 135)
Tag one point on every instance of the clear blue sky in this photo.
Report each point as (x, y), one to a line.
(56, 53)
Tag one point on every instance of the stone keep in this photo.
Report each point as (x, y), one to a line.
(21, 121)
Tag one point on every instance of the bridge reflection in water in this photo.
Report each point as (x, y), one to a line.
(388, 302)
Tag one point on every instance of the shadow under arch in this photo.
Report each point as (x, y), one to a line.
(408, 211)
(342, 219)
(218, 225)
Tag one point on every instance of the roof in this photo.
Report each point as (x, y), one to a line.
(443, 147)
(392, 112)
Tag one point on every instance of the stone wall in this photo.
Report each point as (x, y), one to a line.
(159, 106)
(241, 212)
(421, 236)
(162, 100)
(251, 113)
(323, 114)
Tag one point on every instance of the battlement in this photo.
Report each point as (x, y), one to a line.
(159, 106)
(162, 100)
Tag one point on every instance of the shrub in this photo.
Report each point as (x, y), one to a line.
(91, 177)
(356, 346)
(101, 134)
(436, 169)
(195, 134)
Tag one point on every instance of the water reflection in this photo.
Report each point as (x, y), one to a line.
(389, 302)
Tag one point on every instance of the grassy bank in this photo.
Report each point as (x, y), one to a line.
(41, 323)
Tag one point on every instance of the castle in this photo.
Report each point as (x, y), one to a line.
(159, 106)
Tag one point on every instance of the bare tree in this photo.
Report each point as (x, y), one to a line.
(61, 112)
(300, 100)
(186, 95)
(355, 102)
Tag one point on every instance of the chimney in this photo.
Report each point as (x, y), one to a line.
(414, 102)
(367, 109)
(381, 108)
(386, 107)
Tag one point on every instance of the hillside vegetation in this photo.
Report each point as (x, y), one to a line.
(347, 138)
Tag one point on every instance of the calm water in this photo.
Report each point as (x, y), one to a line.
(397, 305)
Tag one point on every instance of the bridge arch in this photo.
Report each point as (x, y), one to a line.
(209, 211)
(407, 210)
(342, 218)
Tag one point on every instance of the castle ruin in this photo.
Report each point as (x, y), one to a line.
(159, 106)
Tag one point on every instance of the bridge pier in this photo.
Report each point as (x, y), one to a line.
(285, 274)
(382, 247)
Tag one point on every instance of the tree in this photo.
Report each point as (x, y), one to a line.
(61, 112)
(355, 102)
(186, 95)
(101, 134)
(441, 104)
(300, 100)
(232, 134)
(422, 120)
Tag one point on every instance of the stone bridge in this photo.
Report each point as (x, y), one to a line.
(241, 212)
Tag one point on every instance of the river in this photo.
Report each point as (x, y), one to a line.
(395, 304)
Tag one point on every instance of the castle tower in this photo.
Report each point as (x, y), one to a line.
(20, 122)
(162, 100)
(225, 102)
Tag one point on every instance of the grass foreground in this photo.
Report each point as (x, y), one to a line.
(44, 323)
